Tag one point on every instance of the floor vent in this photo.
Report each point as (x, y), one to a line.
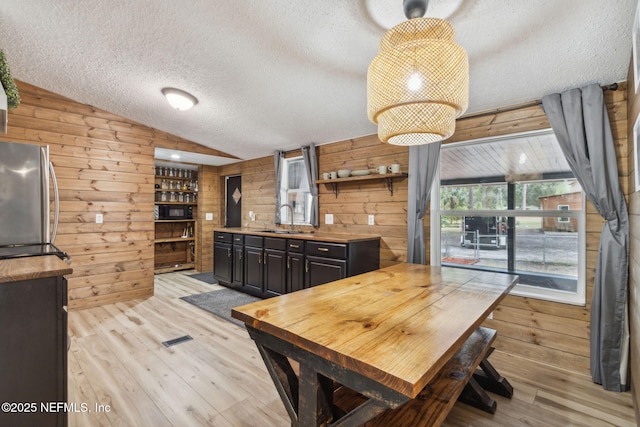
(177, 341)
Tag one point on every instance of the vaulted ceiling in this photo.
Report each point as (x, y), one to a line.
(277, 74)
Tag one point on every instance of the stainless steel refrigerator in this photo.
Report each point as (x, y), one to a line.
(27, 184)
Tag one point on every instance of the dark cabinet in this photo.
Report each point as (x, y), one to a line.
(275, 272)
(237, 278)
(324, 270)
(253, 260)
(295, 265)
(276, 265)
(33, 359)
(326, 262)
(222, 257)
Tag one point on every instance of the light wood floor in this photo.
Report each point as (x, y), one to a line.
(218, 379)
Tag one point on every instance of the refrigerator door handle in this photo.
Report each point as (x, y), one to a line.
(56, 203)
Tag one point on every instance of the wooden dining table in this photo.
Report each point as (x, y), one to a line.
(386, 335)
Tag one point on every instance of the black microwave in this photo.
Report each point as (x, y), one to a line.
(173, 212)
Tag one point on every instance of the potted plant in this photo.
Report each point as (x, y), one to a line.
(9, 97)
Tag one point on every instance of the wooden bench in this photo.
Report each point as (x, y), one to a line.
(459, 379)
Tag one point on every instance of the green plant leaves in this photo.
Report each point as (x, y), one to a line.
(10, 88)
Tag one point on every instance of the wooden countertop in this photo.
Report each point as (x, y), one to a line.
(324, 237)
(398, 325)
(33, 267)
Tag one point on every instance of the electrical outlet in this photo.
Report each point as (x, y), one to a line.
(328, 219)
(252, 215)
(99, 218)
(372, 220)
(208, 216)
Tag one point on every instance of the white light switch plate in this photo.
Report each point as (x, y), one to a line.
(208, 216)
(99, 218)
(328, 218)
(372, 220)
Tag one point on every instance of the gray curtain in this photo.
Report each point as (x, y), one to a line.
(277, 160)
(311, 165)
(580, 121)
(423, 164)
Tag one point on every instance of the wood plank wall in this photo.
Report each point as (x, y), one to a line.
(633, 111)
(557, 334)
(354, 202)
(104, 164)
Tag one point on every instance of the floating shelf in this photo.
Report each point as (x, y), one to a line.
(175, 220)
(176, 239)
(387, 177)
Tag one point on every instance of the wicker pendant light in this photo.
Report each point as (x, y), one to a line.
(419, 82)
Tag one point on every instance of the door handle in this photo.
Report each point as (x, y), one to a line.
(259, 258)
(229, 252)
(306, 266)
(289, 262)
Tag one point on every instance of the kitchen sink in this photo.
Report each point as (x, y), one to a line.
(279, 231)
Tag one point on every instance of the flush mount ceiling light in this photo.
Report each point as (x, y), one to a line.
(419, 82)
(179, 99)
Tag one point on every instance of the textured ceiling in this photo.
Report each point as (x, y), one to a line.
(276, 74)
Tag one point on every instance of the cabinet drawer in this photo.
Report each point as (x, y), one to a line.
(295, 245)
(219, 236)
(329, 250)
(255, 241)
(275, 243)
(238, 239)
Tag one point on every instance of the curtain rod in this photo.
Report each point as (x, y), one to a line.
(613, 86)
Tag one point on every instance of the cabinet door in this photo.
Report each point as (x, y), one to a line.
(324, 270)
(238, 266)
(253, 270)
(275, 272)
(222, 262)
(33, 359)
(295, 272)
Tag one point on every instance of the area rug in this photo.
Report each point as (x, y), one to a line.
(221, 302)
(204, 277)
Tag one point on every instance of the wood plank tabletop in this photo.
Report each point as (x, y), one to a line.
(398, 325)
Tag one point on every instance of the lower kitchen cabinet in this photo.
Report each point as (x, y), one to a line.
(223, 262)
(295, 271)
(33, 361)
(271, 266)
(253, 261)
(237, 278)
(275, 266)
(324, 270)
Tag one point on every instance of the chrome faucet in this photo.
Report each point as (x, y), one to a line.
(291, 209)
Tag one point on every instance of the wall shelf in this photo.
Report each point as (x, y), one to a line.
(175, 239)
(387, 177)
(172, 251)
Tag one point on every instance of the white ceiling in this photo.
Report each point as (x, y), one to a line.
(277, 74)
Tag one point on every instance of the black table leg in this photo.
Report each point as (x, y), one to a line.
(490, 380)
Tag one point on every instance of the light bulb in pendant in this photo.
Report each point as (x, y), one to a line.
(415, 82)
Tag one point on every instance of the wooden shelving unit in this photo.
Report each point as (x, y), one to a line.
(175, 239)
(387, 177)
